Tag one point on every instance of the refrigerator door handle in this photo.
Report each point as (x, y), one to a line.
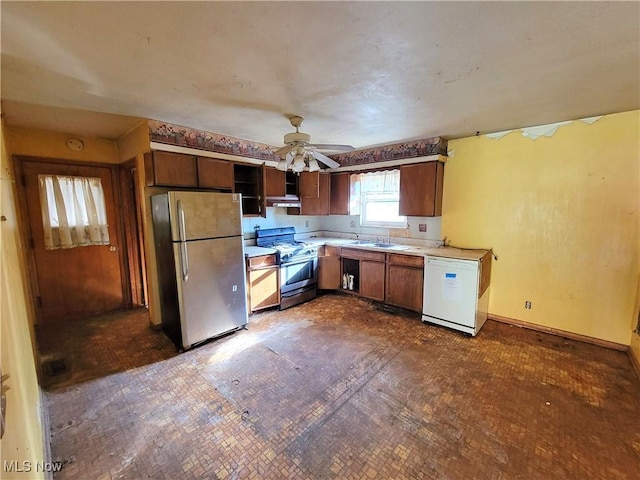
(184, 261)
(181, 223)
(184, 258)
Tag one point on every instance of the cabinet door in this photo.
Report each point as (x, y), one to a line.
(170, 170)
(372, 279)
(421, 189)
(309, 184)
(214, 173)
(320, 205)
(264, 288)
(340, 186)
(404, 287)
(329, 272)
(275, 182)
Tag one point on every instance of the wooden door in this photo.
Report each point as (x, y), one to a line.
(421, 189)
(214, 173)
(74, 282)
(170, 169)
(329, 272)
(340, 186)
(319, 205)
(309, 184)
(264, 288)
(275, 182)
(404, 286)
(372, 280)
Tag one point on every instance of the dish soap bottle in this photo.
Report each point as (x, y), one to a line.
(345, 281)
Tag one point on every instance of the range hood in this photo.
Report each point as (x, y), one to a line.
(288, 201)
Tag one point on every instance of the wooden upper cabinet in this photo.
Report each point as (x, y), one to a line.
(309, 184)
(166, 169)
(275, 182)
(321, 204)
(214, 173)
(421, 189)
(340, 187)
(249, 180)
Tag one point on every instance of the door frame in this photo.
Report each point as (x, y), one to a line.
(27, 235)
(129, 195)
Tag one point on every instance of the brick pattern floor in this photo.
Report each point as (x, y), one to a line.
(336, 388)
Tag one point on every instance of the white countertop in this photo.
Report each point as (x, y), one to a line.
(447, 252)
(253, 251)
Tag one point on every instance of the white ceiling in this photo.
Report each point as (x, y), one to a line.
(362, 73)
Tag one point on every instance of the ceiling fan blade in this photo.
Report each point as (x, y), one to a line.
(284, 150)
(333, 148)
(324, 159)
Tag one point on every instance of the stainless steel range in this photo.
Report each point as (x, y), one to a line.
(298, 264)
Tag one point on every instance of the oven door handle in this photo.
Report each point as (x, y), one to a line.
(298, 262)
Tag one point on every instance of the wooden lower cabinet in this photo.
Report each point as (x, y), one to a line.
(405, 280)
(329, 271)
(372, 279)
(404, 287)
(263, 279)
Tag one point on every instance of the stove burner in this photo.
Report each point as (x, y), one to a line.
(282, 239)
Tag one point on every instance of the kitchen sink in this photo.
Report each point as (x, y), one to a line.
(369, 243)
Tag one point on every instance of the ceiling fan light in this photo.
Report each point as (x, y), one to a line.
(298, 167)
(282, 165)
(298, 160)
(313, 165)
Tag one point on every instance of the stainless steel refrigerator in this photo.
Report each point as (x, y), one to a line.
(201, 265)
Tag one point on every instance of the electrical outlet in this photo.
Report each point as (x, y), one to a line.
(353, 224)
(422, 227)
(527, 305)
(306, 223)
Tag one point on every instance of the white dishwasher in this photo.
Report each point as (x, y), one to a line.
(450, 296)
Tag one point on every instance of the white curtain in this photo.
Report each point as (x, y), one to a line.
(387, 181)
(373, 183)
(73, 211)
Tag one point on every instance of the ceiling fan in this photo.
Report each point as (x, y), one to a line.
(299, 154)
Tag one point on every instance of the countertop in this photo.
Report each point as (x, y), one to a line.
(447, 252)
(253, 251)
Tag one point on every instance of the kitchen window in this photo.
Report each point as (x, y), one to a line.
(377, 199)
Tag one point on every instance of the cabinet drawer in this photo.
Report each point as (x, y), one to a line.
(262, 261)
(409, 260)
(331, 251)
(363, 254)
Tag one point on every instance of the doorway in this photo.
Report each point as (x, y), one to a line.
(77, 282)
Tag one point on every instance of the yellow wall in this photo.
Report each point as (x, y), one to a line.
(561, 213)
(40, 143)
(23, 439)
(133, 145)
